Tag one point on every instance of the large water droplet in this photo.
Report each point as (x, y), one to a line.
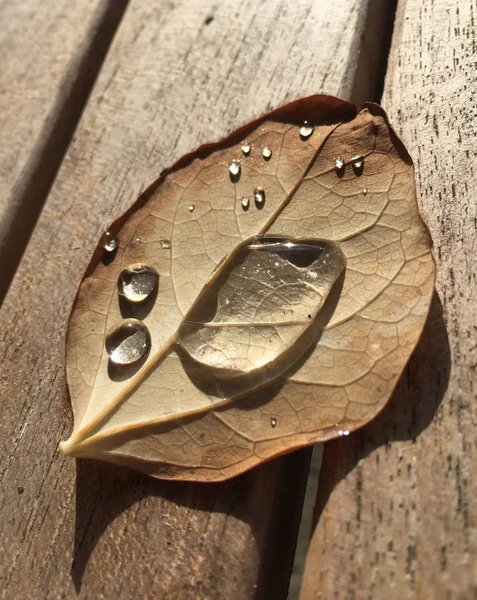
(259, 313)
(234, 169)
(245, 201)
(128, 342)
(246, 148)
(109, 242)
(259, 197)
(137, 282)
(165, 244)
(267, 153)
(306, 130)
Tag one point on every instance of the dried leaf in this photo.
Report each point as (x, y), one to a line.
(270, 299)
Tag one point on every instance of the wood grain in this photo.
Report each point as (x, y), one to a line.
(398, 501)
(177, 75)
(50, 54)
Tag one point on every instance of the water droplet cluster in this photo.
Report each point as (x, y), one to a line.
(357, 163)
(130, 341)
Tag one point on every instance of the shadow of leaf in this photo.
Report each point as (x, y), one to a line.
(267, 499)
(411, 409)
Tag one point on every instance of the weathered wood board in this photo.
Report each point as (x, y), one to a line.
(50, 54)
(397, 504)
(177, 75)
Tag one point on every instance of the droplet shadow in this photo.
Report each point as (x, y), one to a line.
(358, 168)
(108, 256)
(138, 310)
(340, 171)
(259, 204)
(119, 372)
(235, 177)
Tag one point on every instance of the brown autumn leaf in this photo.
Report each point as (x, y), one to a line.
(277, 321)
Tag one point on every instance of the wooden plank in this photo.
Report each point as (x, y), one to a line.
(50, 54)
(398, 501)
(177, 75)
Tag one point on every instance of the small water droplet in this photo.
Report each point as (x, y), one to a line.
(109, 242)
(365, 191)
(267, 153)
(259, 196)
(165, 244)
(339, 165)
(358, 165)
(137, 282)
(128, 342)
(191, 207)
(306, 130)
(273, 421)
(246, 148)
(245, 200)
(234, 168)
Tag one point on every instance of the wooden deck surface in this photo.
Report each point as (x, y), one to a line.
(98, 98)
